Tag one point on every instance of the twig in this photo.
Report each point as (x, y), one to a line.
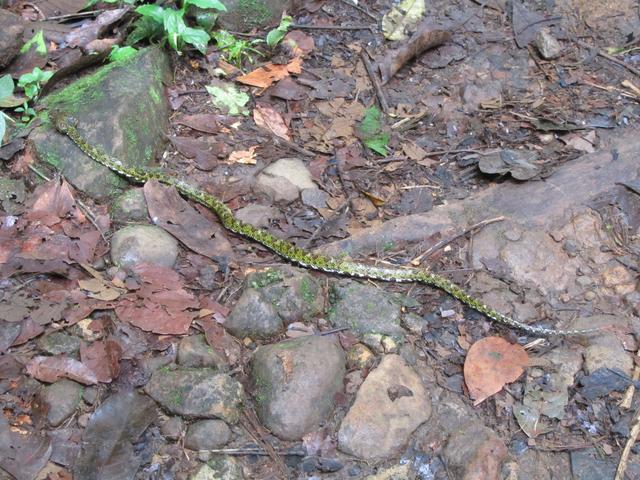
(334, 330)
(293, 146)
(332, 27)
(633, 70)
(627, 398)
(360, 9)
(86, 210)
(537, 22)
(446, 241)
(375, 82)
(534, 57)
(624, 457)
(250, 423)
(291, 452)
(71, 16)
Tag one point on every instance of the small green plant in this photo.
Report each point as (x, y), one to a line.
(38, 41)
(276, 35)
(32, 84)
(7, 100)
(119, 53)
(235, 50)
(168, 24)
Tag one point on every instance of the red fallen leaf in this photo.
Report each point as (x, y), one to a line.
(103, 358)
(298, 43)
(154, 318)
(269, 73)
(51, 369)
(29, 330)
(271, 120)
(205, 122)
(492, 363)
(218, 339)
(53, 201)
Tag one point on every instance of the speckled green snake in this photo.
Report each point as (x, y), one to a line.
(287, 250)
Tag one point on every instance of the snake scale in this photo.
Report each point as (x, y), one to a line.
(68, 126)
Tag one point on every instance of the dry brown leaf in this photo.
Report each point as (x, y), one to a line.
(271, 120)
(269, 73)
(247, 157)
(52, 369)
(103, 358)
(490, 364)
(99, 289)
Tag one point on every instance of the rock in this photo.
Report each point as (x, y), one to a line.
(259, 216)
(294, 292)
(395, 472)
(413, 323)
(547, 45)
(364, 308)
(284, 179)
(194, 351)
(313, 463)
(605, 350)
(359, 357)
(130, 206)
(475, 452)
(619, 279)
(244, 15)
(207, 435)
(273, 298)
(57, 343)
(11, 29)
(220, 468)
(172, 428)
(62, 398)
(131, 131)
(143, 244)
(197, 392)
(588, 464)
(391, 403)
(314, 197)
(293, 396)
(253, 317)
(90, 395)
(537, 465)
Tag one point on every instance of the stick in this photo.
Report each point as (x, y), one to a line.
(633, 70)
(332, 27)
(360, 9)
(375, 82)
(446, 241)
(624, 458)
(294, 452)
(81, 205)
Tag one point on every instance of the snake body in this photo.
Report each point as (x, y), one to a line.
(289, 251)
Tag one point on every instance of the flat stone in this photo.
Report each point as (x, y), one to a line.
(57, 343)
(292, 395)
(221, 467)
(588, 464)
(364, 308)
(605, 350)
(143, 244)
(11, 29)
(474, 452)
(259, 216)
(284, 179)
(197, 392)
(194, 351)
(172, 427)
(547, 45)
(391, 403)
(62, 398)
(207, 435)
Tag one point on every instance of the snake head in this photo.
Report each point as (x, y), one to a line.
(64, 122)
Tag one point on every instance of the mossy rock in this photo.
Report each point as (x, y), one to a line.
(121, 108)
(243, 15)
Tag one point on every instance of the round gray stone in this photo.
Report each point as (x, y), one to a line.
(207, 435)
(194, 351)
(62, 399)
(143, 244)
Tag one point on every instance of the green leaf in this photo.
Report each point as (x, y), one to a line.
(145, 28)
(174, 27)
(228, 98)
(154, 12)
(121, 53)
(278, 33)
(205, 19)
(215, 4)
(224, 39)
(38, 40)
(378, 143)
(3, 127)
(371, 130)
(6, 86)
(196, 37)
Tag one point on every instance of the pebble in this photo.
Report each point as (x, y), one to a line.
(207, 435)
(194, 351)
(547, 45)
(62, 398)
(143, 244)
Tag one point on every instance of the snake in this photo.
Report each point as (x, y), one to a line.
(67, 125)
